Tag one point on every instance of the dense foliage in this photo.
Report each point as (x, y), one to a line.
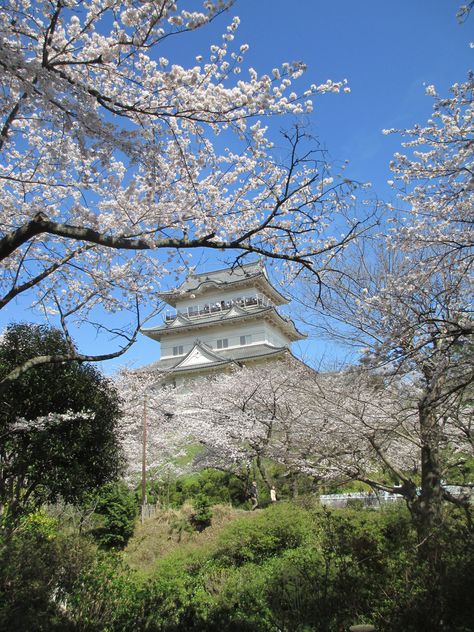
(117, 507)
(284, 568)
(215, 486)
(58, 425)
(37, 566)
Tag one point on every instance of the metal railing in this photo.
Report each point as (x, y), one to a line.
(199, 311)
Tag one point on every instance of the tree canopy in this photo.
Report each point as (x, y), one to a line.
(58, 425)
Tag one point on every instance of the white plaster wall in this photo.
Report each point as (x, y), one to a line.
(275, 337)
(209, 335)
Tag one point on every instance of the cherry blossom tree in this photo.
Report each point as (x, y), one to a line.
(312, 423)
(117, 162)
(150, 436)
(402, 415)
(385, 425)
(410, 326)
(435, 180)
(406, 302)
(239, 415)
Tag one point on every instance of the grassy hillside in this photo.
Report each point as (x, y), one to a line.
(171, 529)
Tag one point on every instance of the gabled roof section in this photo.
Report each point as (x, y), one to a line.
(253, 352)
(200, 354)
(202, 357)
(243, 275)
(235, 310)
(179, 321)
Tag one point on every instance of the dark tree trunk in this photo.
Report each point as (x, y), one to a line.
(263, 471)
(426, 509)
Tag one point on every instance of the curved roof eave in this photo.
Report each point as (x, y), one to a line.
(156, 333)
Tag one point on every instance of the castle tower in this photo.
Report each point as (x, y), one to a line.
(219, 319)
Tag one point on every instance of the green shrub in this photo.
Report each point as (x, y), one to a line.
(116, 506)
(202, 516)
(280, 527)
(285, 568)
(40, 525)
(107, 597)
(218, 487)
(38, 567)
(428, 594)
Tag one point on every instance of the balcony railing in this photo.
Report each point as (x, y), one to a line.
(199, 311)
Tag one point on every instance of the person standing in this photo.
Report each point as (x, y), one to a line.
(273, 494)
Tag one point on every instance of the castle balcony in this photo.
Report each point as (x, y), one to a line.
(207, 309)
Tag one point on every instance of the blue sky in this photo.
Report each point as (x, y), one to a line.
(388, 52)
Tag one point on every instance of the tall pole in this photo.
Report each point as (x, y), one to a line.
(144, 453)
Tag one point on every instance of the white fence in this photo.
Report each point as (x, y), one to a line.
(148, 511)
(369, 499)
(376, 499)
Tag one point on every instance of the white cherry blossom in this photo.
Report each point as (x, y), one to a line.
(112, 153)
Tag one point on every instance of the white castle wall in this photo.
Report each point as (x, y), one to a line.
(260, 332)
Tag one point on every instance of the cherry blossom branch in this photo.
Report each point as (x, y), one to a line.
(41, 224)
(18, 289)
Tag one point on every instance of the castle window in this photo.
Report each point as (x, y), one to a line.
(222, 343)
(245, 340)
(178, 350)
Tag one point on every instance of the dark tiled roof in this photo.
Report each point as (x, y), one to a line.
(251, 351)
(226, 275)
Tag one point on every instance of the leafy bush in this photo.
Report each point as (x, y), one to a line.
(202, 516)
(109, 597)
(280, 527)
(40, 525)
(286, 568)
(218, 487)
(431, 597)
(38, 567)
(117, 507)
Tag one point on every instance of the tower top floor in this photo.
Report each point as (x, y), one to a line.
(221, 286)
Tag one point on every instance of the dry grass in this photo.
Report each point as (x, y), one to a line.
(170, 529)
